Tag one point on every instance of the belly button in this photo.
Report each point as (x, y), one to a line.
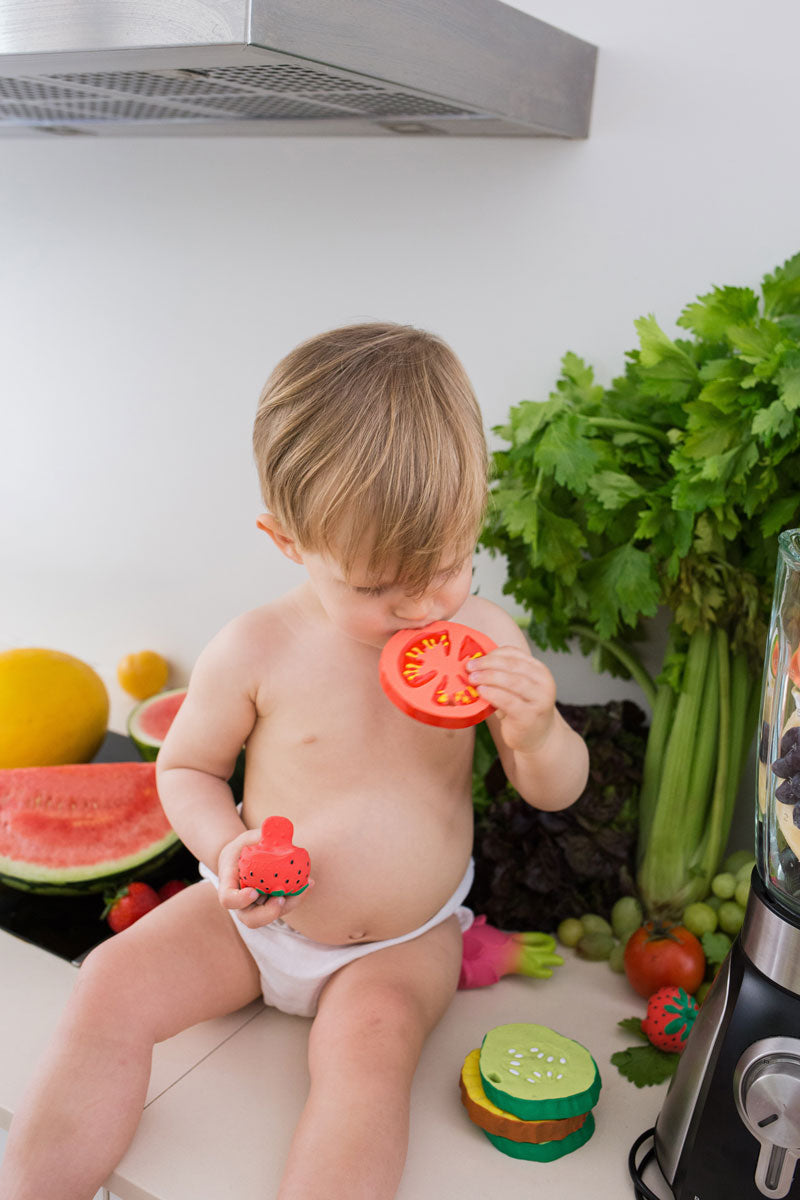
(356, 937)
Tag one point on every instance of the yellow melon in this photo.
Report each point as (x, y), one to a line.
(53, 708)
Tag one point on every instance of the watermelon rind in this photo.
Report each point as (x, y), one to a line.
(145, 743)
(73, 881)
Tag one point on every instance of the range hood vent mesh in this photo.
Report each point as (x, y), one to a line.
(279, 92)
(249, 68)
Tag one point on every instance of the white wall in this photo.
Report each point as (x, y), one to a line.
(147, 287)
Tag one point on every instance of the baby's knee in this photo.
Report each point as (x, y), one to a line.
(108, 990)
(381, 1022)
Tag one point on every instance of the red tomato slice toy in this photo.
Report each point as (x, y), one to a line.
(423, 672)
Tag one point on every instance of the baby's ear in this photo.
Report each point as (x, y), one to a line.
(282, 539)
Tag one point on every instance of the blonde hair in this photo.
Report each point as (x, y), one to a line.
(372, 434)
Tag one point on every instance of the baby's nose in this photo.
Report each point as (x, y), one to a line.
(415, 608)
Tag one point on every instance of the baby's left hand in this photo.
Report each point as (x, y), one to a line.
(522, 691)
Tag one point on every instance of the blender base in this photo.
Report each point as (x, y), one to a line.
(730, 1124)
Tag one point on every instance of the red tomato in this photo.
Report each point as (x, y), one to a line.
(423, 672)
(658, 956)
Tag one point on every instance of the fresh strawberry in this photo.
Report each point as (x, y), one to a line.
(129, 904)
(171, 888)
(670, 1015)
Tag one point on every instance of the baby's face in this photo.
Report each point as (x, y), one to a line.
(371, 611)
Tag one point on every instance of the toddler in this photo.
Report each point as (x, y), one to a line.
(373, 467)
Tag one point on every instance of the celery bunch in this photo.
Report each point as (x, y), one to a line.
(667, 488)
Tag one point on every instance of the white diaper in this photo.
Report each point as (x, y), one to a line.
(294, 969)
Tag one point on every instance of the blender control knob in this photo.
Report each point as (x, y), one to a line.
(767, 1083)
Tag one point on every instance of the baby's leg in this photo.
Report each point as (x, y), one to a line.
(373, 1018)
(182, 963)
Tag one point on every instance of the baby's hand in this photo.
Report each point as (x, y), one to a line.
(248, 903)
(522, 691)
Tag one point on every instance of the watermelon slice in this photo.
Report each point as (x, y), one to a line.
(149, 721)
(148, 726)
(80, 827)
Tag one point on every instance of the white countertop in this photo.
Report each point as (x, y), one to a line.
(225, 1095)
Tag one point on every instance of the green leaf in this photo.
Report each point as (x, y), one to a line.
(560, 545)
(756, 342)
(710, 316)
(623, 586)
(716, 947)
(657, 348)
(577, 382)
(528, 417)
(783, 514)
(781, 289)
(772, 422)
(633, 1025)
(567, 454)
(645, 1065)
(788, 381)
(613, 489)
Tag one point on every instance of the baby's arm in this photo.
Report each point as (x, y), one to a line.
(198, 757)
(544, 759)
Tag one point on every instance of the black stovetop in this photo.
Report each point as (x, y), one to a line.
(70, 926)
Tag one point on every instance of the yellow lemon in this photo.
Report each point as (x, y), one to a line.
(142, 674)
(53, 709)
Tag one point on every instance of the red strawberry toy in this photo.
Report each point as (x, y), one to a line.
(670, 1015)
(275, 866)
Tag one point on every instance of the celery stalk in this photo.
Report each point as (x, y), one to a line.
(660, 725)
(662, 874)
(703, 769)
(715, 834)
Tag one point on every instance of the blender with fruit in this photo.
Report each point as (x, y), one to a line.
(730, 1123)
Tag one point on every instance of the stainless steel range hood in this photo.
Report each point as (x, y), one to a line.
(243, 67)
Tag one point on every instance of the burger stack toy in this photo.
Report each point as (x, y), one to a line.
(274, 866)
(424, 672)
(531, 1090)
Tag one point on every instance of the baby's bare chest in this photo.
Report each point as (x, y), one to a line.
(325, 719)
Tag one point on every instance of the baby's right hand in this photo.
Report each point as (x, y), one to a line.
(247, 902)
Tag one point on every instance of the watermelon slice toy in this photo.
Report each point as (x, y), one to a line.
(423, 672)
(275, 866)
(84, 827)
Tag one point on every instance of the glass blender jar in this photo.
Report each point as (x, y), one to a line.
(778, 773)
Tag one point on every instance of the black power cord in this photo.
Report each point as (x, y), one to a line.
(636, 1170)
